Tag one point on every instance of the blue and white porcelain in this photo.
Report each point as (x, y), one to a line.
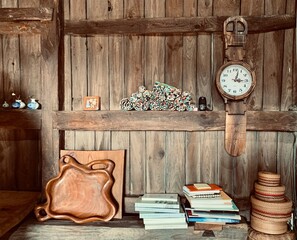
(16, 104)
(33, 104)
(22, 104)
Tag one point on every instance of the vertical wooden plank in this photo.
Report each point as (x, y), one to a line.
(246, 167)
(155, 162)
(207, 140)
(154, 71)
(10, 82)
(285, 149)
(49, 99)
(27, 172)
(134, 72)
(84, 140)
(119, 139)
(190, 75)
(30, 60)
(7, 160)
(225, 161)
(68, 135)
(98, 84)
(28, 151)
(272, 86)
(175, 141)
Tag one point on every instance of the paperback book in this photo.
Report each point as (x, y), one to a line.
(183, 225)
(221, 199)
(169, 197)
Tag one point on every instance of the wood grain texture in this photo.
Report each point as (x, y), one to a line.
(134, 77)
(170, 25)
(168, 120)
(118, 157)
(23, 13)
(66, 193)
(155, 164)
(14, 207)
(113, 229)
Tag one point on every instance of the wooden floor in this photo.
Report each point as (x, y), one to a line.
(130, 227)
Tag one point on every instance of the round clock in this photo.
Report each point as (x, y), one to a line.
(235, 80)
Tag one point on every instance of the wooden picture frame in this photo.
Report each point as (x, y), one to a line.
(91, 103)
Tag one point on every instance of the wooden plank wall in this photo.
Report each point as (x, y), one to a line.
(20, 157)
(115, 66)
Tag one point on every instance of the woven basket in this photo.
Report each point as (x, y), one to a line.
(270, 194)
(272, 209)
(268, 178)
(270, 219)
(268, 226)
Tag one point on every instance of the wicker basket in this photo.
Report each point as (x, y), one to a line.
(268, 178)
(268, 226)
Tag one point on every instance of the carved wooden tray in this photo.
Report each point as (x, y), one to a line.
(118, 157)
(81, 193)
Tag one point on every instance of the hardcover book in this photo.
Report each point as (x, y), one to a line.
(191, 190)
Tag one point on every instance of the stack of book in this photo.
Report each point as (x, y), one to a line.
(208, 203)
(161, 211)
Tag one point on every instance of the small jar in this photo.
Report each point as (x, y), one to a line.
(33, 104)
(202, 104)
(22, 104)
(5, 104)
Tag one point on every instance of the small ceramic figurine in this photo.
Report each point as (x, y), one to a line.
(33, 104)
(5, 104)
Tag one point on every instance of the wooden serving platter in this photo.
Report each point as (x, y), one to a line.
(81, 192)
(118, 157)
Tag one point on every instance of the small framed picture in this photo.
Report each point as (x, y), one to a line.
(91, 103)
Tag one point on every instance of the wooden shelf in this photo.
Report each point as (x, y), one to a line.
(169, 121)
(20, 119)
(24, 20)
(192, 25)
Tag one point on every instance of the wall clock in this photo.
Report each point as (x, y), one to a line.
(235, 81)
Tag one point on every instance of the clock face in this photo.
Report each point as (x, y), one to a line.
(235, 80)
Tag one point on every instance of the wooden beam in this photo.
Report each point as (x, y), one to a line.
(20, 119)
(24, 20)
(25, 14)
(191, 25)
(169, 121)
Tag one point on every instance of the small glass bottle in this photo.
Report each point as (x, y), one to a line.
(202, 106)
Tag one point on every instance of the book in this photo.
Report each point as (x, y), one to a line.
(160, 197)
(225, 215)
(191, 190)
(202, 186)
(210, 208)
(221, 198)
(183, 225)
(211, 220)
(156, 210)
(164, 220)
(149, 215)
(156, 204)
